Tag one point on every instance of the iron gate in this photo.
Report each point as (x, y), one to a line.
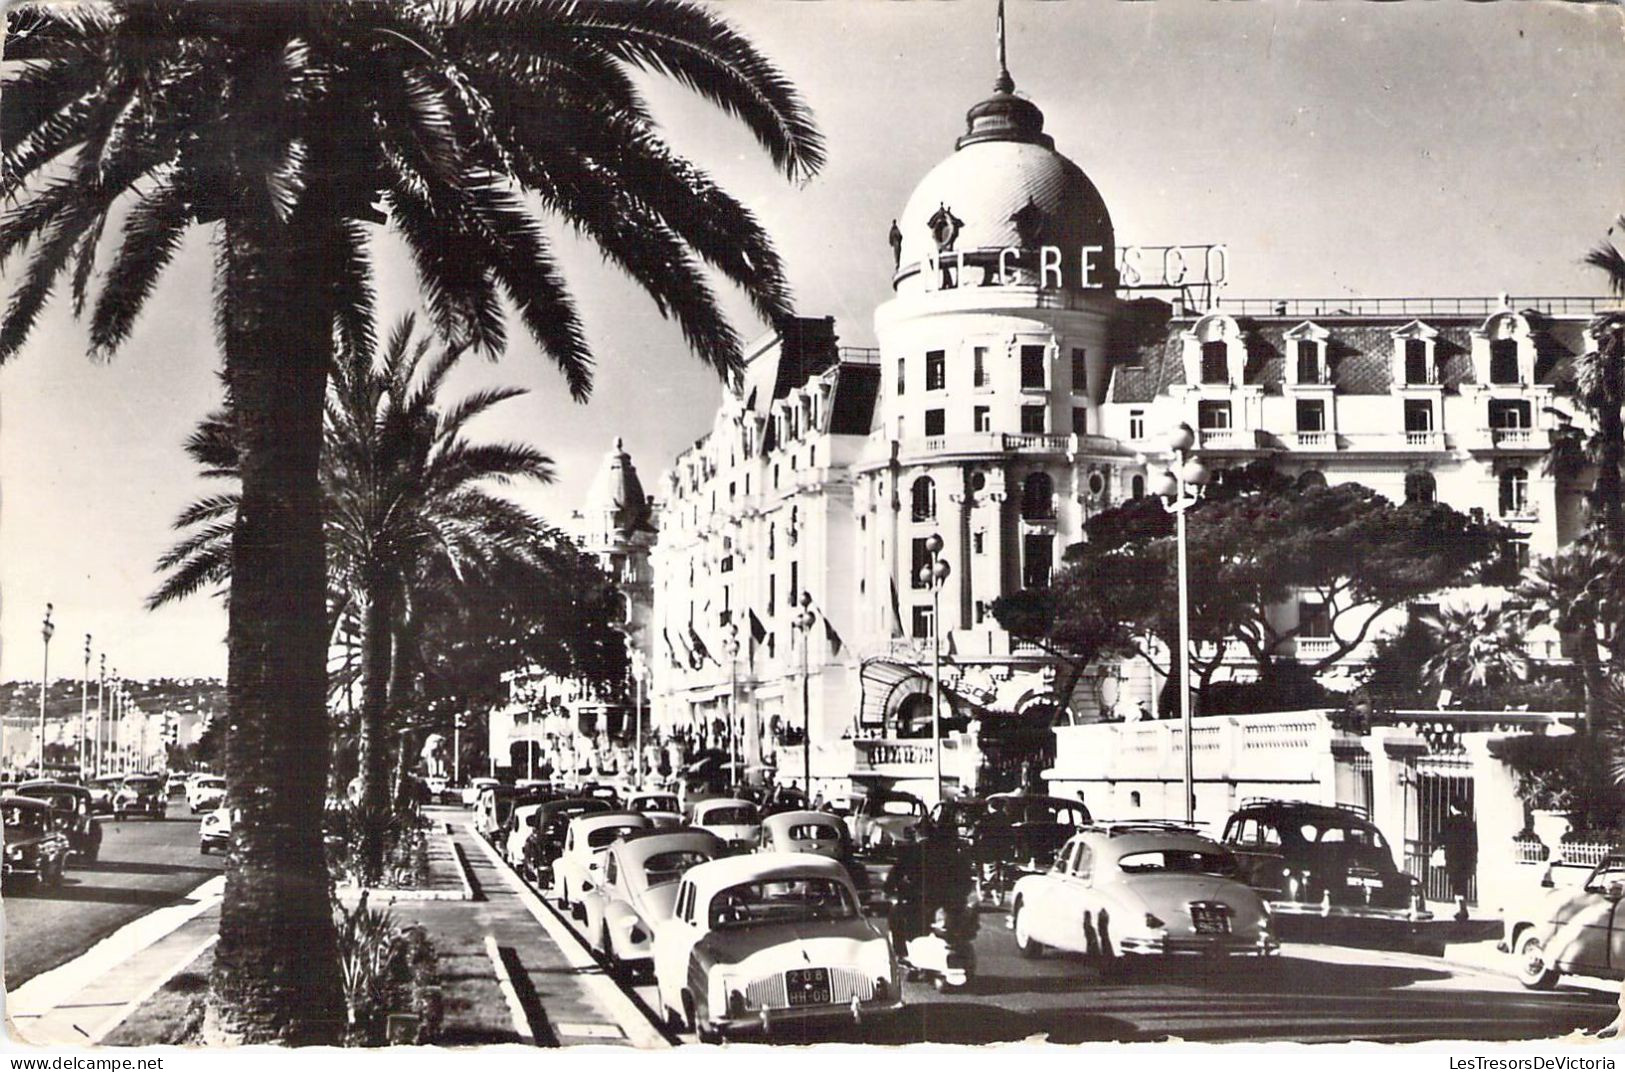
(1435, 789)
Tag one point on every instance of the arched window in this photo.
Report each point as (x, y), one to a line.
(924, 499)
(1514, 491)
(1420, 487)
(1038, 497)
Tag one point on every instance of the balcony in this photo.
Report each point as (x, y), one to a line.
(1315, 647)
(1314, 440)
(1526, 511)
(1231, 439)
(1424, 440)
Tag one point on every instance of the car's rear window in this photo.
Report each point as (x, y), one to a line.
(739, 816)
(606, 835)
(813, 832)
(211, 783)
(1333, 833)
(1177, 860)
(669, 866)
(897, 806)
(802, 900)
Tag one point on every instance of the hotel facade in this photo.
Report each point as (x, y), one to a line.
(1028, 371)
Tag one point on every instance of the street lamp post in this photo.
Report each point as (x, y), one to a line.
(935, 574)
(803, 623)
(638, 670)
(730, 645)
(46, 629)
(101, 717)
(1179, 489)
(84, 707)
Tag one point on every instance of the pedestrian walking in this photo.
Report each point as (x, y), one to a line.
(1458, 837)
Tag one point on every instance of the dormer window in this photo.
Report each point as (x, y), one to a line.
(1307, 348)
(1308, 361)
(1504, 361)
(1416, 355)
(1215, 362)
(1504, 351)
(1214, 353)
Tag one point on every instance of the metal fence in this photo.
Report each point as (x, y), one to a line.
(1434, 792)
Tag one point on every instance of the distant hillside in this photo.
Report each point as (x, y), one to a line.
(19, 700)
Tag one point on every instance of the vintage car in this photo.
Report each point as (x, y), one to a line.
(580, 857)
(141, 794)
(1123, 890)
(1313, 859)
(521, 824)
(1009, 835)
(816, 832)
(1578, 930)
(102, 791)
(214, 833)
(736, 821)
(767, 942)
(471, 791)
(75, 816)
(492, 808)
(635, 888)
(549, 826)
(877, 821)
(35, 846)
(655, 804)
(205, 793)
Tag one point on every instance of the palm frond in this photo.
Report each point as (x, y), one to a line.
(152, 236)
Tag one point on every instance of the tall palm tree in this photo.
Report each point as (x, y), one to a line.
(405, 509)
(294, 129)
(1576, 592)
(1477, 648)
(1599, 386)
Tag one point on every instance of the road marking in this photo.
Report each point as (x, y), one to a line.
(590, 1030)
(628, 1016)
(130, 1006)
(49, 989)
(516, 1010)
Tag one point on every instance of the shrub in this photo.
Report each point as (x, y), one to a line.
(1567, 774)
(386, 969)
(376, 847)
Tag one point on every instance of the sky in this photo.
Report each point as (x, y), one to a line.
(1337, 149)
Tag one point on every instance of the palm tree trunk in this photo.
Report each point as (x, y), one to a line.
(377, 663)
(1609, 491)
(1591, 677)
(275, 976)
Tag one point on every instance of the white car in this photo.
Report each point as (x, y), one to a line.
(635, 889)
(522, 825)
(471, 791)
(737, 822)
(656, 804)
(579, 860)
(767, 939)
(214, 833)
(205, 793)
(1140, 889)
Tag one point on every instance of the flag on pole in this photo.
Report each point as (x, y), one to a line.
(701, 652)
(896, 611)
(671, 650)
(832, 636)
(758, 631)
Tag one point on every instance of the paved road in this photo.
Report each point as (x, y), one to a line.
(145, 864)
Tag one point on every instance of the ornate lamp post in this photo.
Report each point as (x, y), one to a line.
(935, 574)
(803, 623)
(84, 707)
(639, 669)
(46, 629)
(730, 646)
(101, 718)
(1180, 487)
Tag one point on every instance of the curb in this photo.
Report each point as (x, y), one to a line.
(631, 1020)
(465, 874)
(146, 995)
(49, 989)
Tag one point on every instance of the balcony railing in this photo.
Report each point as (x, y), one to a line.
(858, 355)
(1424, 440)
(1419, 307)
(1230, 438)
(1315, 647)
(1314, 440)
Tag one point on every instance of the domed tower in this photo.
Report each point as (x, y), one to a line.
(616, 525)
(993, 353)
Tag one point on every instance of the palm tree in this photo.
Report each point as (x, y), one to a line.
(405, 506)
(1477, 648)
(294, 129)
(1599, 386)
(1576, 592)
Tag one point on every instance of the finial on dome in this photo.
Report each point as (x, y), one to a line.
(1004, 83)
(619, 445)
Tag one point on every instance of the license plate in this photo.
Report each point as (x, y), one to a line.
(1356, 880)
(807, 986)
(1210, 921)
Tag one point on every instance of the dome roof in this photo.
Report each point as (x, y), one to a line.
(1005, 186)
(617, 492)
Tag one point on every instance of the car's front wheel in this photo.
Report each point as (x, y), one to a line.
(1026, 944)
(1532, 969)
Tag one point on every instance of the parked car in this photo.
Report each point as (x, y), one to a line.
(1313, 859)
(770, 941)
(1010, 835)
(471, 791)
(102, 791)
(214, 833)
(1140, 889)
(206, 793)
(655, 804)
(820, 834)
(579, 858)
(878, 820)
(492, 808)
(550, 825)
(635, 889)
(1577, 930)
(35, 847)
(140, 794)
(75, 816)
(737, 822)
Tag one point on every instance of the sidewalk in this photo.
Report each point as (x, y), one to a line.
(510, 972)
